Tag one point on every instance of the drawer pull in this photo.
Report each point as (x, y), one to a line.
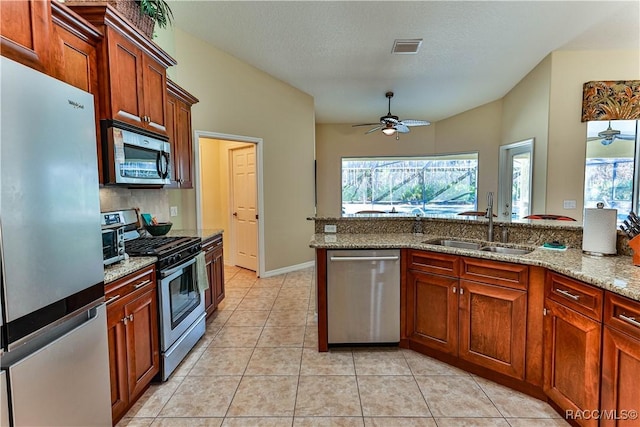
(567, 294)
(139, 285)
(112, 299)
(629, 320)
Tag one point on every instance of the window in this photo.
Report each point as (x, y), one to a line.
(445, 184)
(611, 165)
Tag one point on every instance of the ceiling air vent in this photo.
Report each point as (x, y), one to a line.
(407, 46)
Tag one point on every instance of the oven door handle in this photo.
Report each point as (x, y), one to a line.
(167, 273)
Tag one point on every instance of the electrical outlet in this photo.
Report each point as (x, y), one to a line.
(330, 239)
(330, 228)
(173, 211)
(569, 204)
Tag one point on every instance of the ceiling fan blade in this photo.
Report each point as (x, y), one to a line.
(416, 122)
(402, 128)
(366, 124)
(373, 130)
(594, 138)
(626, 137)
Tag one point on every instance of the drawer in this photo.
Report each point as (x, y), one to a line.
(130, 283)
(212, 243)
(583, 298)
(506, 274)
(432, 262)
(622, 314)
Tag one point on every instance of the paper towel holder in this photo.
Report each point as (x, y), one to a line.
(604, 227)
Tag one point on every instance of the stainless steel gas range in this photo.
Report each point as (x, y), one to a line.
(182, 312)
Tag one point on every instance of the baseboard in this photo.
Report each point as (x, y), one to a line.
(289, 269)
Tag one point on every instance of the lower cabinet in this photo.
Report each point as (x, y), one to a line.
(620, 394)
(215, 273)
(132, 329)
(478, 322)
(572, 347)
(493, 327)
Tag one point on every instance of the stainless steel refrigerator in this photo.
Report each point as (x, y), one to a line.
(53, 334)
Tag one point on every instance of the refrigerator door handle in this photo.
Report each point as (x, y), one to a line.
(29, 339)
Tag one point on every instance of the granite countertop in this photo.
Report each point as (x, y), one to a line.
(120, 269)
(615, 273)
(203, 233)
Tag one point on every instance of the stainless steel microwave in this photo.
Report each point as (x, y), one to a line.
(130, 157)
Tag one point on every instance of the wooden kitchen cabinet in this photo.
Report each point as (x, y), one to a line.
(620, 360)
(493, 327)
(132, 329)
(26, 33)
(179, 103)
(132, 77)
(432, 311)
(215, 273)
(474, 320)
(572, 343)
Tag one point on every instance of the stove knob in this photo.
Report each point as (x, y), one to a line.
(178, 257)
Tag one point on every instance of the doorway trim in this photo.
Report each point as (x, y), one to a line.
(504, 186)
(259, 173)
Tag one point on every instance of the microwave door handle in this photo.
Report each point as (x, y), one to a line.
(166, 164)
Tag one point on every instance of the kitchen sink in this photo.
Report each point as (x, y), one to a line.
(504, 250)
(455, 244)
(478, 246)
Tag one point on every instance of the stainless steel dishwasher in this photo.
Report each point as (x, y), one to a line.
(363, 296)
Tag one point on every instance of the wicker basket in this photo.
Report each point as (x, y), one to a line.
(129, 9)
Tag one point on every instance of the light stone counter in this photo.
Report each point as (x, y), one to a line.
(616, 274)
(204, 234)
(120, 269)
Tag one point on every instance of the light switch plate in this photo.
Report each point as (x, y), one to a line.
(330, 228)
(173, 211)
(569, 204)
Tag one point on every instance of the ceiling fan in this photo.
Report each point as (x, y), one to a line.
(391, 124)
(609, 135)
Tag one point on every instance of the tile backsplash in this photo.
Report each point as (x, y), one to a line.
(152, 201)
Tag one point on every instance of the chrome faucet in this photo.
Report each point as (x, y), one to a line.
(489, 215)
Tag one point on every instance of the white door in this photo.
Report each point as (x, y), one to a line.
(516, 176)
(245, 212)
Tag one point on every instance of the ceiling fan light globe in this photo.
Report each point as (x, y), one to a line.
(388, 131)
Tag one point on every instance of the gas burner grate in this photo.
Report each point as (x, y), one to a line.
(157, 245)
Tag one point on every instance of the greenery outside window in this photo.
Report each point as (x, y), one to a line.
(426, 185)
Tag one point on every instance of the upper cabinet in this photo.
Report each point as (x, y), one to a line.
(132, 76)
(25, 33)
(179, 103)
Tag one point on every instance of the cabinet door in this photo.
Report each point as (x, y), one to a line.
(218, 274)
(620, 373)
(209, 295)
(492, 327)
(172, 123)
(572, 359)
(143, 350)
(432, 311)
(25, 30)
(79, 62)
(154, 78)
(125, 78)
(117, 359)
(184, 146)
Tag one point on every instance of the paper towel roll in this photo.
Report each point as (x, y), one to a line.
(599, 231)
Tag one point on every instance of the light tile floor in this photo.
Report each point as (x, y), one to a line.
(258, 365)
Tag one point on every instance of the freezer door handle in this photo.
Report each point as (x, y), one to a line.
(364, 258)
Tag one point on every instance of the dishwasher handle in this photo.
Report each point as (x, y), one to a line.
(365, 258)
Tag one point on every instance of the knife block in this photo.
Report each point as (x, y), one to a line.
(635, 246)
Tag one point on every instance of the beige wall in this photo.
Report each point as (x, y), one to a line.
(475, 130)
(238, 99)
(567, 134)
(525, 115)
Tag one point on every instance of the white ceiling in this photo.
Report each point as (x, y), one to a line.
(339, 52)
